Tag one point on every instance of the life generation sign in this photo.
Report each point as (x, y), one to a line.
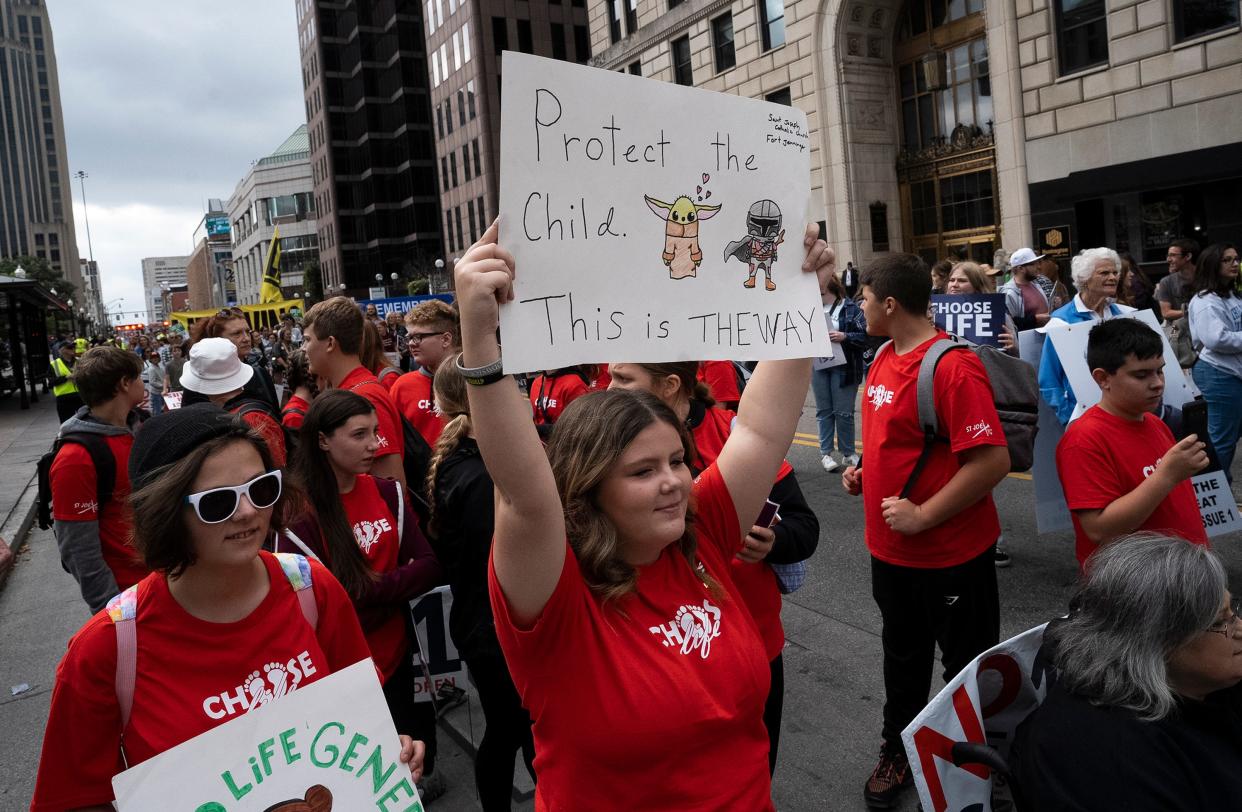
(650, 221)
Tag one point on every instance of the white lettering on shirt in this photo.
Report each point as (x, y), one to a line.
(1151, 469)
(85, 507)
(381, 441)
(879, 395)
(261, 687)
(367, 533)
(980, 429)
(692, 627)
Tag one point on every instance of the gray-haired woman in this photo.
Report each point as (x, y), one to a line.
(1144, 709)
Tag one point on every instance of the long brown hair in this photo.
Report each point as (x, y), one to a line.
(372, 355)
(592, 433)
(313, 472)
(687, 373)
(449, 389)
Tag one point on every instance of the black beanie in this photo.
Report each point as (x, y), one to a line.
(169, 436)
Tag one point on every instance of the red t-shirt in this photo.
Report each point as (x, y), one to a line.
(657, 698)
(550, 396)
(603, 378)
(721, 379)
(1102, 457)
(271, 433)
(893, 440)
(391, 438)
(413, 396)
(375, 529)
(294, 412)
(756, 581)
(388, 377)
(192, 676)
(75, 499)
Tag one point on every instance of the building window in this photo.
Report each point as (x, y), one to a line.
(963, 94)
(448, 229)
(482, 219)
(582, 44)
(465, 164)
(473, 233)
(879, 226)
(636, 68)
(465, 42)
(453, 168)
(781, 96)
(440, 122)
(558, 50)
(682, 72)
(470, 99)
(1194, 18)
(526, 43)
(722, 42)
(631, 16)
(772, 23)
(474, 149)
(614, 19)
(672, 4)
(461, 108)
(500, 34)
(966, 201)
(923, 208)
(1082, 34)
(461, 237)
(448, 114)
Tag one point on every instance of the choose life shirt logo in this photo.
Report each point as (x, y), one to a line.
(261, 687)
(367, 533)
(879, 395)
(693, 628)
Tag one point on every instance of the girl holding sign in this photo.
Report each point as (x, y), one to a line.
(610, 576)
(218, 629)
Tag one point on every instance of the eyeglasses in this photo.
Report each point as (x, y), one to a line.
(1226, 627)
(219, 504)
(1229, 261)
(417, 338)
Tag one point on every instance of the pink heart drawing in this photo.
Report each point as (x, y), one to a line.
(706, 177)
(698, 190)
(709, 192)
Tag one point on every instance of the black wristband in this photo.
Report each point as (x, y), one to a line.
(481, 376)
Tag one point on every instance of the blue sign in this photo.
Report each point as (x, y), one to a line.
(217, 226)
(977, 317)
(401, 304)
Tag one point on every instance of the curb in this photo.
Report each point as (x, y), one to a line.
(19, 522)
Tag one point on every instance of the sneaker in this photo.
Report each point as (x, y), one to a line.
(889, 778)
(1000, 558)
(852, 459)
(829, 463)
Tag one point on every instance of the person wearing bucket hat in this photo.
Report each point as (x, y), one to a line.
(216, 375)
(1025, 300)
(219, 628)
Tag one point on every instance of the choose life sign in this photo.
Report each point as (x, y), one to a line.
(328, 745)
(650, 221)
(976, 317)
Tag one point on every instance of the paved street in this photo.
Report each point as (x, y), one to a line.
(832, 660)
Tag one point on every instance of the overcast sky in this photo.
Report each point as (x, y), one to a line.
(166, 104)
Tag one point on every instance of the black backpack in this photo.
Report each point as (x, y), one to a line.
(101, 458)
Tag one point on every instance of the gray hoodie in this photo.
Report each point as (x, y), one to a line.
(81, 550)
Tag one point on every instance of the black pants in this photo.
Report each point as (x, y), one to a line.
(67, 405)
(507, 729)
(772, 709)
(955, 607)
(415, 719)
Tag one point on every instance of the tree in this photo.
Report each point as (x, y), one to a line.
(416, 287)
(312, 283)
(37, 269)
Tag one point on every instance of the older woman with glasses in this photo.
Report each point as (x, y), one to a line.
(1144, 709)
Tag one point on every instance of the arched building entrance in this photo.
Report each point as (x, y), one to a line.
(922, 132)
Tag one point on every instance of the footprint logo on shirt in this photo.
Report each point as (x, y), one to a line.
(693, 628)
(279, 679)
(367, 533)
(256, 690)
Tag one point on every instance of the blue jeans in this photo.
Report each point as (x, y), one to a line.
(157, 402)
(834, 409)
(1223, 393)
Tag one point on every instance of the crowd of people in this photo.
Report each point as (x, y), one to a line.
(618, 538)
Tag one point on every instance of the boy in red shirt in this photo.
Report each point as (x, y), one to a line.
(432, 335)
(332, 338)
(94, 538)
(932, 571)
(1119, 465)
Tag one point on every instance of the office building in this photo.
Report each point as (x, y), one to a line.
(372, 151)
(277, 192)
(209, 269)
(159, 274)
(36, 207)
(90, 295)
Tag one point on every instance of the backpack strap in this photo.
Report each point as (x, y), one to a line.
(390, 491)
(122, 609)
(102, 460)
(926, 391)
(301, 545)
(297, 570)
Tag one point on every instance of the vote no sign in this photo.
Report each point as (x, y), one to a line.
(651, 222)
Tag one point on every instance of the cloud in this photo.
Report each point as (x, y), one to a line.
(166, 104)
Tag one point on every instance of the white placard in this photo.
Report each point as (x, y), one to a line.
(637, 210)
(441, 665)
(331, 742)
(1217, 507)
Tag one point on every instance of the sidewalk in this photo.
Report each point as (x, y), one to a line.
(24, 436)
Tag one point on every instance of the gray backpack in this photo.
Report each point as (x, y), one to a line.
(1015, 391)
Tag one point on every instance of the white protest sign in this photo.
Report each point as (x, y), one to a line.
(327, 745)
(983, 704)
(441, 664)
(650, 221)
(172, 400)
(1051, 512)
(1217, 507)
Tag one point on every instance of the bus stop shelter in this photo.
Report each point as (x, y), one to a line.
(24, 308)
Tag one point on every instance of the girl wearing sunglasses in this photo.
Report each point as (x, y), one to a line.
(218, 627)
(363, 529)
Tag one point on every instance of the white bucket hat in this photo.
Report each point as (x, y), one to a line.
(1023, 256)
(214, 368)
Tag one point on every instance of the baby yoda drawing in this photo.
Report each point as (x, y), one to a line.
(758, 247)
(682, 254)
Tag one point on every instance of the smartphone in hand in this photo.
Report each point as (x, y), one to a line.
(1195, 421)
(768, 515)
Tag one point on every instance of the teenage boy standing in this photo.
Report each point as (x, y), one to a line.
(932, 571)
(1119, 465)
(94, 538)
(332, 339)
(432, 335)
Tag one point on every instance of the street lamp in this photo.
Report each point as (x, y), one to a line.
(20, 272)
(431, 281)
